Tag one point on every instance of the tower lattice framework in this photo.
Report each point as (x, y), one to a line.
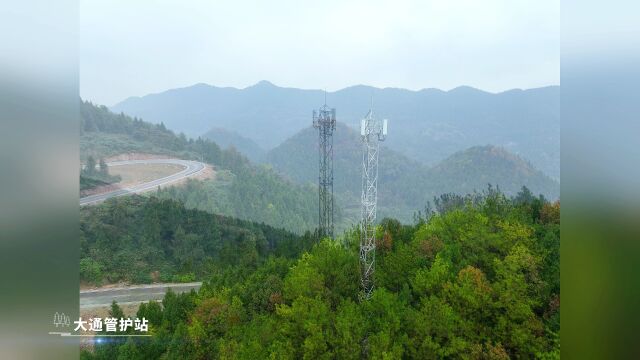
(372, 131)
(324, 120)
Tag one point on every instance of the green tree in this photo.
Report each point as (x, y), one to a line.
(350, 327)
(180, 347)
(129, 351)
(306, 323)
(435, 331)
(90, 166)
(431, 280)
(104, 169)
(517, 289)
(91, 271)
(152, 311)
(386, 337)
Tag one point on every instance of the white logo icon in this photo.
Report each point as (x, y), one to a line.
(61, 320)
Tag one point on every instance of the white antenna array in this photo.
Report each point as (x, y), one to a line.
(372, 131)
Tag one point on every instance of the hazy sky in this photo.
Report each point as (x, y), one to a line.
(132, 48)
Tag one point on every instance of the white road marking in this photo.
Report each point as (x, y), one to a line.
(191, 168)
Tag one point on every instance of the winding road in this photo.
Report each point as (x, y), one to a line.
(139, 293)
(191, 168)
(131, 294)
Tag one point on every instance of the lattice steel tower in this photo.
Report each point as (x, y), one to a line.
(372, 131)
(324, 120)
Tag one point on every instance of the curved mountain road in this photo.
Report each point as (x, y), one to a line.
(191, 168)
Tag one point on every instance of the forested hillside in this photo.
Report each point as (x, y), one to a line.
(478, 166)
(216, 197)
(227, 138)
(400, 189)
(404, 184)
(247, 191)
(140, 239)
(477, 280)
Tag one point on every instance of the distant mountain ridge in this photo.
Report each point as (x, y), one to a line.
(405, 184)
(478, 166)
(426, 125)
(227, 138)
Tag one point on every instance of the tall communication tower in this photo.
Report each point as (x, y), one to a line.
(324, 120)
(372, 131)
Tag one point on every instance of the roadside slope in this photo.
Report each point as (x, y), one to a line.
(190, 169)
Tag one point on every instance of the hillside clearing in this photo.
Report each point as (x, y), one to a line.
(135, 174)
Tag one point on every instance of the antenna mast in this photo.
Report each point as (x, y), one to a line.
(324, 120)
(372, 131)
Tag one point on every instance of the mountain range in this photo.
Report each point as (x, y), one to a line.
(406, 185)
(427, 126)
(281, 190)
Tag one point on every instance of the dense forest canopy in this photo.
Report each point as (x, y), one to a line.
(474, 277)
(139, 239)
